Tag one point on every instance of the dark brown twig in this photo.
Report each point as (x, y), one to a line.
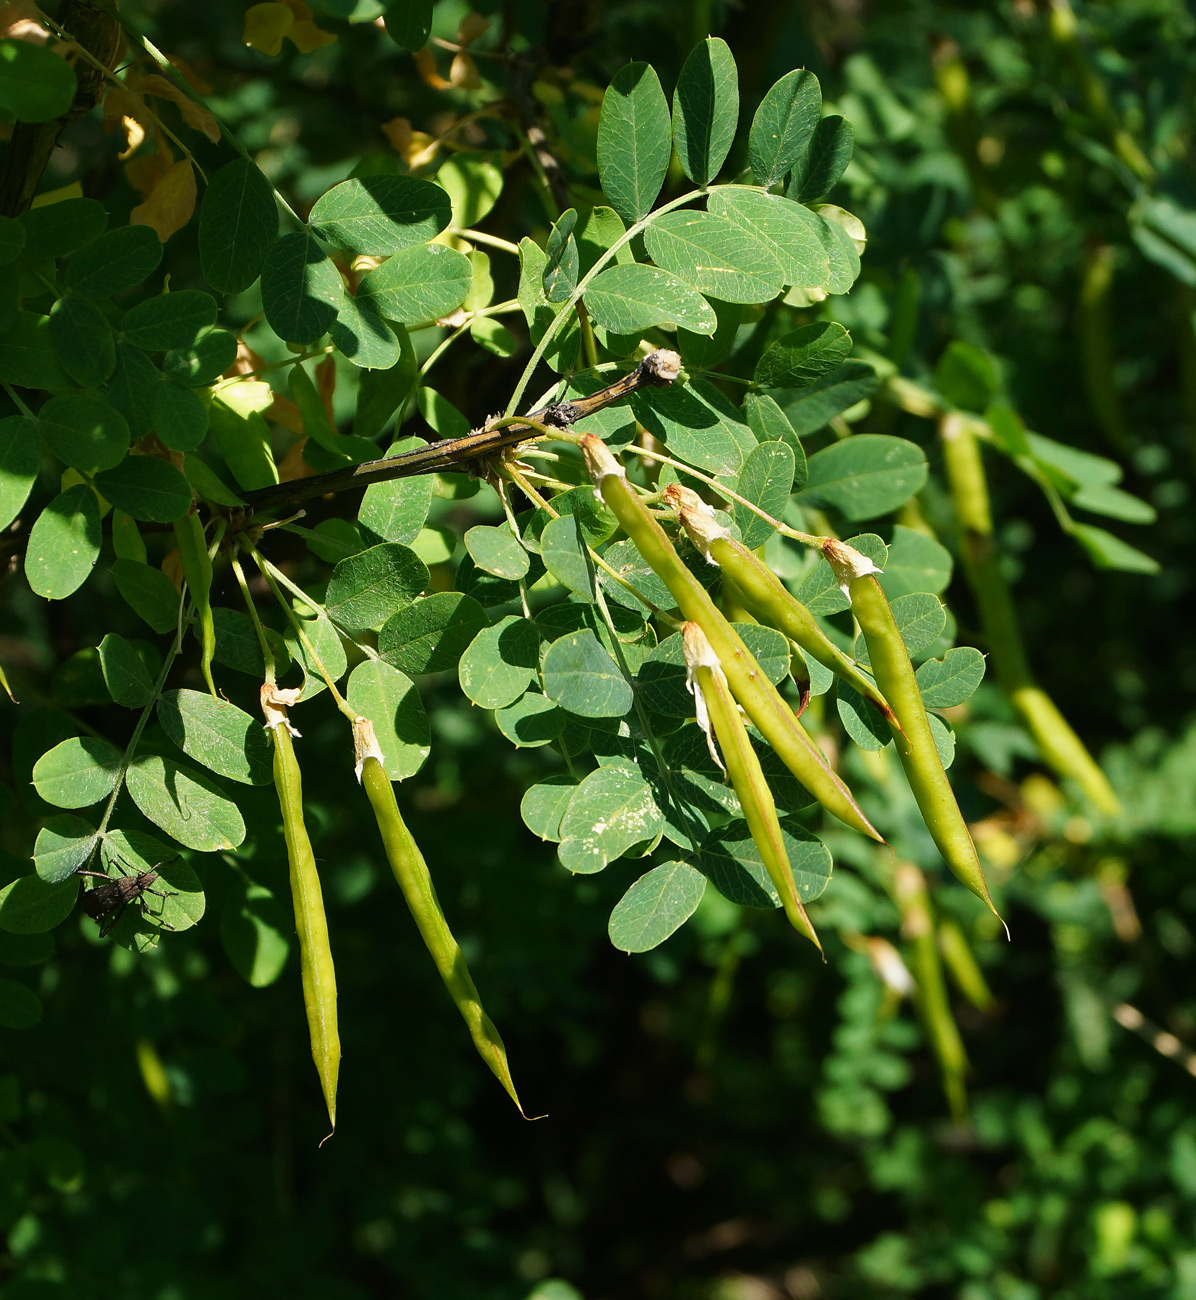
(657, 370)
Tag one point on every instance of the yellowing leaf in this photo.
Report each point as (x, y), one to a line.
(147, 169)
(398, 132)
(265, 26)
(307, 36)
(463, 73)
(19, 22)
(326, 385)
(134, 135)
(171, 202)
(425, 65)
(189, 75)
(285, 411)
(196, 115)
(471, 27)
(124, 108)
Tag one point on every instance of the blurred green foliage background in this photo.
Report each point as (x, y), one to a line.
(727, 1119)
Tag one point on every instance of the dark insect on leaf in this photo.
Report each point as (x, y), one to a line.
(106, 900)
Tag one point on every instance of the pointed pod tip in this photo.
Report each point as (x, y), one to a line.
(327, 1135)
(986, 899)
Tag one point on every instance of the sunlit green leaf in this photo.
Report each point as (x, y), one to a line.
(715, 255)
(367, 589)
(418, 284)
(64, 543)
(634, 140)
(783, 125)
(186, 805)
(867, 475)
(500, 663)
(218, 735)
(635, 297)
(706, 109)
(77, 772)
(611, 811)
(431, 634)
(803, 356)
(658, 904)
(380, 215)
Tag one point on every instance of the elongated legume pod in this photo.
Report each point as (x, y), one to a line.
(1061, 747)
(917, 926)
(713, 699)
(411, 871)
(197, 571)
(761, 701)
(963, 966)
(915, 741)
(311, 925)
(762, 593)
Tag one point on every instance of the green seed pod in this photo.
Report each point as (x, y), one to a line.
(762, 593)
(311, 925)
(415, 880)
(197, 571)
(917, 926)
(716, 708)
(962, 964)
(761, 701)
(915, 742)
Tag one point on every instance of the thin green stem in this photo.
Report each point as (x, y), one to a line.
(807, 539)
(16, 400)
(131, 748)
(251, 610)
(588, 342)
(491, 241)
(524, 484)
(274, 577)
(551, 207)
(274, 365)
(582, 285)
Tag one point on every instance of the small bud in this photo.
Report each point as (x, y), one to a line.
(365, 745)
(697, 518)
(663, 365)
(888, 964)
(699, 653)
(846, 563)
(275, 701)
(600, 461)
